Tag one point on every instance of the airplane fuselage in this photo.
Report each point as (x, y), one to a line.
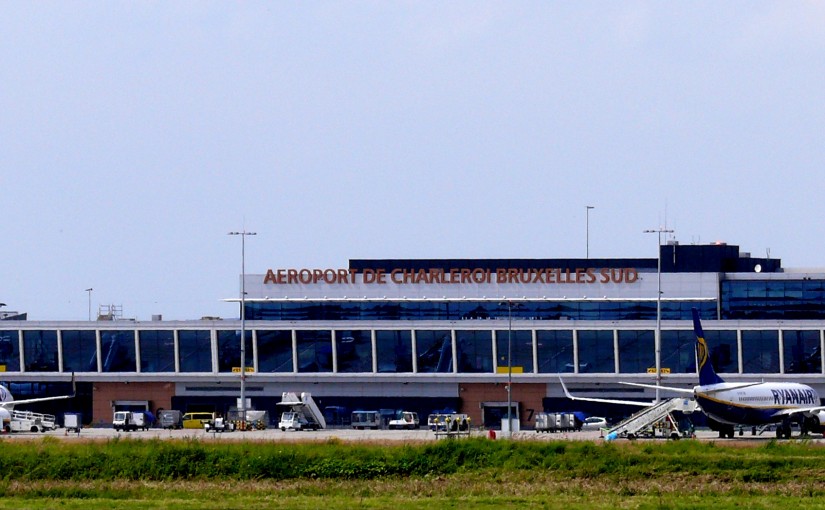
(756, 404)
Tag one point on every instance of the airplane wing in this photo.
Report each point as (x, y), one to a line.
(655, 387)
(793, 411)
(603, 400)
(32, 400)
(704, 390)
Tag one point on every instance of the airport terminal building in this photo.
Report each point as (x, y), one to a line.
(425, 335)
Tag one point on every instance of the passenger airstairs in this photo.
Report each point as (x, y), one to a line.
(302, 410)
(653, 421)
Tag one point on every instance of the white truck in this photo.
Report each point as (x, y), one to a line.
(301, 413)
(129, 420)
(404, 420)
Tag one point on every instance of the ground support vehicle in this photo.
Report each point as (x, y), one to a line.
(196, 420)
(361, 420)
(27, 421)
(449, 424)
(129, 421)
(254, 419)
(71, 422)
(557, 422)
(301, 412)
(654, 421)
(404, 420)
(170, 419)
(219, 425)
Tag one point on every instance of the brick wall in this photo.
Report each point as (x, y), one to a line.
(529, 397)
(159, 395)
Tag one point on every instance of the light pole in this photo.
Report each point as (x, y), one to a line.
(509, 368)
(89, 290)
(243, 234)
(658, 338)
(587, 227)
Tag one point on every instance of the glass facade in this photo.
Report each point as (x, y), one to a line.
(40, 351)
(118, 351)
(678, 352)
(596, 352)
(274, 351)
(521, 347)
(10, 351)
(354, 351)
(229, 350)
(79, 351)
(760, 352)
(637, 351)
(555, 351)
(314, 350)
(802, 351)
(802, 299)
(476, 350)
(157, 351)
(195, 351)
(447, 310)
(394, 351)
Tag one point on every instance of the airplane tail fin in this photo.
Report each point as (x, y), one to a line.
(707, 375)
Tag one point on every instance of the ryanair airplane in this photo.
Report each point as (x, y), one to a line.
(754, 404)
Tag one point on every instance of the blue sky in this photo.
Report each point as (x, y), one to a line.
(135, 135)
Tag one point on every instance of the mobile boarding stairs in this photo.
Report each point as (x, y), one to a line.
(654, 421)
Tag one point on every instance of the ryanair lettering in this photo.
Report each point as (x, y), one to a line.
(785, 397)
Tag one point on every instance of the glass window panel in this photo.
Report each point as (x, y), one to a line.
(229, 350)
(195, 350)
(314, 350)
(760, 352)
(522, 347)
(475, 351)
(724, 351)
(596, 352)
(435, 351)
(679, 352)
(157, 351)
(394, 351)
(802, 352)
(79, 351)
(555, 351)
(10, 351)
(354, 351)
(118, 351)
(275, 351)
(40, 351)
(637, 351)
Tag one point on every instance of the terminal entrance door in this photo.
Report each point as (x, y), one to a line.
(130, 405)
(494, 413)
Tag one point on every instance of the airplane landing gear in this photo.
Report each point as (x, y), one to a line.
(783, 430)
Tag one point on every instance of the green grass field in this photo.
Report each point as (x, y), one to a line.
(457, 474)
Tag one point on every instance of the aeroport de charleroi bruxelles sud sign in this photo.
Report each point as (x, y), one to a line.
(462, 276)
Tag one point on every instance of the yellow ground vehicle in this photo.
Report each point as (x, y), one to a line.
(197, 420)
